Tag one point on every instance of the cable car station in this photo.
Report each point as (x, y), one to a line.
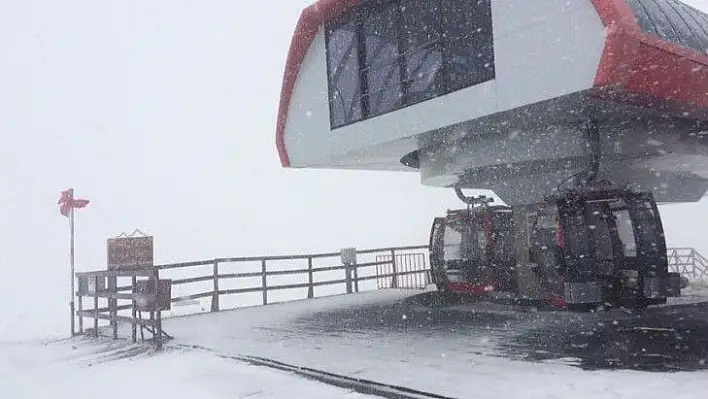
(580, 115)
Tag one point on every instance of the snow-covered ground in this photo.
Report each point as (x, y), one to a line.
(457, 359)
(466, 351)
(117, 370)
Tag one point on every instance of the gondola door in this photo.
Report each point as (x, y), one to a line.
(436, 250)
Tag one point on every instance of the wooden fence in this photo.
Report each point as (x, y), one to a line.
(227, 283)
(296, 276)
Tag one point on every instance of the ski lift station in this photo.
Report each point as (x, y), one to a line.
(514, 96)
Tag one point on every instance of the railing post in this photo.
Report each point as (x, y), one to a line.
(356, 277)
(348, 258)
(113, 308)
(215, 297)
(134, 312)
(95, 308)
(310, 279)
(264, 282)
(348, 277)
(81, 317)
(113, 303)
(394, 281)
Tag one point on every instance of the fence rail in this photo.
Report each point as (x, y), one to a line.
(301, 272)
(688, 262)
(228, 283)
(260, 280)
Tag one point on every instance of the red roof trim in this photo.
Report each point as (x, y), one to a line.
(619, 20)
(311, 19)
(637, 62)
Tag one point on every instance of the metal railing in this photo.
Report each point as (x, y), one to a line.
(227, 283)
(688, 262)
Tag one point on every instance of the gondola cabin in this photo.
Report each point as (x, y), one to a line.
(472, 250)
(587, 249)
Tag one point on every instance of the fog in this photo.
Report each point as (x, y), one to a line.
(162, 113)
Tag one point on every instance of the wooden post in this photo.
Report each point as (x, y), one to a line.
(113, 305)
(215, 297)
(310, 279)
(348, 277)
(158, 330)
(134, 311)
(394, 280)
(153, 324)
(95, 308)
(114, 321)
(264, 282)
(356, 278)
(81, 318)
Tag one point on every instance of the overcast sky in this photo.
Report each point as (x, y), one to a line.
(162, 113)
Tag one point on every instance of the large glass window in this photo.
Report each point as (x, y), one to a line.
(674, 21)
(343, 65)
(452, 243)
(597, 222)
(389, 54)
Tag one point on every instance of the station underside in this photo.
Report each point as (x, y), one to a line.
(524, 154)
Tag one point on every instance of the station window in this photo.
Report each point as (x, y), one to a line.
(389, 54)
(674, 21)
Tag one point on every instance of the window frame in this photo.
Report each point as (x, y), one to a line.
(440, 86)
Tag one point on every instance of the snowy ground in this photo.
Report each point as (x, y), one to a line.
(471, 351)
(117, 370)
(395, 336)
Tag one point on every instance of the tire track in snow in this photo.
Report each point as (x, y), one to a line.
(363, 386)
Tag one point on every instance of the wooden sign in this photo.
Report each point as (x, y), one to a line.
(129, 252)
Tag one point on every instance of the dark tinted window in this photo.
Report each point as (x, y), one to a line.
(576, 234)
(398, 53)
(343, 67)
(673, 21)
(600, 230)
(468, 42)
(421, 49)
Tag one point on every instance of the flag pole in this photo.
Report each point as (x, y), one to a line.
(71, 262)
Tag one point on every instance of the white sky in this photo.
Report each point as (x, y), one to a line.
(162, 113)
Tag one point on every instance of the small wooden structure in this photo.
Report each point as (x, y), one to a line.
(147, 293)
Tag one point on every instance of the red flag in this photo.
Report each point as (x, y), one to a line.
(67, 202)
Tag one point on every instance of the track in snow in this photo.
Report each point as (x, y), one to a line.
(422, 342)
(359, 385)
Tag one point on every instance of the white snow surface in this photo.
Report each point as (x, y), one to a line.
(447, 363)
(93, 369)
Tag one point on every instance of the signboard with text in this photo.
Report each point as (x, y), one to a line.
(130, 252)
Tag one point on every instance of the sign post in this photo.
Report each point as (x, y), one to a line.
(67, 204)
(348, 256)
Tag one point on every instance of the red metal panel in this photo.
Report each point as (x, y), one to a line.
(640, 68)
